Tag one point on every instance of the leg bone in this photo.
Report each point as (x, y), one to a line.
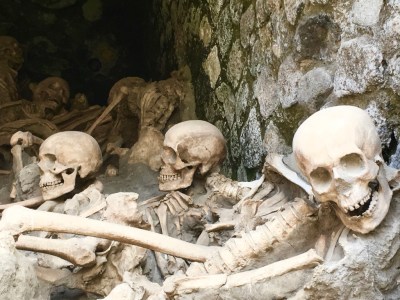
(71, 250)
(18, 219)
(182, 285)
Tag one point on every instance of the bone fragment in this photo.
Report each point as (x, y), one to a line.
(254, 186)
(122, 92)
(16, 152)
(70, 250)
(185, 285)
(19, 219)
(220, 226)
(33, 202)
(276, 162)
(5, 172)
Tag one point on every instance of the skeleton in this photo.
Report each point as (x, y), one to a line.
(188, 140)
(11, 60)
(338, 150)
(68, 162)
(150, 107)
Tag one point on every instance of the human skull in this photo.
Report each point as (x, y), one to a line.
(11, 52)
(52, 94)
(64, 155)
(189, 146)
(339, 151)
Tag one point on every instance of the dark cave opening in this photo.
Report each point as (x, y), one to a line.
(91, 44)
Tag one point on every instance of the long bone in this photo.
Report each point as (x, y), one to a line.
(120, 95)
(32, 202)
(70, 250)
(18, 219)
(186, 285)
(232, 257)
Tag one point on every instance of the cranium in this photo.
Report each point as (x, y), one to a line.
(64, 155)
(11, 52)
(52, 94)
(189, 146)
(339, 151)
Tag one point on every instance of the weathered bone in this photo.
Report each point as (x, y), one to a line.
(254, 186)
(71, 250)
(276, 162)
(122, 93)
(185, 285)
(343, 163)
(19, 219)
(33, 202)
(237, 252)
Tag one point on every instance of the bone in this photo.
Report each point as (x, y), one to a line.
(33, 202)
(70, 250)
(186, 285)
(161, 212)
(122, 92)
(333, 242)
(16, 152)
(253, 185)
(229, 225)
(276, 162)
(19, 219)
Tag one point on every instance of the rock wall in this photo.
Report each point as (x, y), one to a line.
(260, 67)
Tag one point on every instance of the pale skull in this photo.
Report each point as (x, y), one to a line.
(338, 150)
(63, 156)
(189, 146)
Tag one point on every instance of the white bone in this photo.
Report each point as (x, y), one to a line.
(186, 285)
(338, 151)
(71, 250)
(253, 185)
(276, 162)
(19, 219)
(33, 202)
(161, 212)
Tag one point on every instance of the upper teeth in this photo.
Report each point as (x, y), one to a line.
(50, 184)
(169, 177)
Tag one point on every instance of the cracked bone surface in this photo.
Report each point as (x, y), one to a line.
(338, 150)
(18, 219)
(62, 157)
(189, 146)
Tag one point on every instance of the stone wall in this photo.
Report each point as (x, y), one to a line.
(260, 67)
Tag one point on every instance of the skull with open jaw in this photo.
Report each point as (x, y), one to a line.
(338, 150)
(62, 157)
(189, 146)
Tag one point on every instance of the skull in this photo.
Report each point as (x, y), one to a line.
(52, 94)
(338, 150)
(189, 146)
(11, 52)
(64, 155)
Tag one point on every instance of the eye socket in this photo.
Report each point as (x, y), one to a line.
(168, 155)
(321, 179)
(352, 163)
(69, 171)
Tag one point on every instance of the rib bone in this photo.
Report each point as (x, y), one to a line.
(18, 219)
